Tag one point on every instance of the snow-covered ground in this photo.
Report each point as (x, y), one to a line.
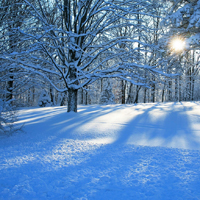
(144, 151)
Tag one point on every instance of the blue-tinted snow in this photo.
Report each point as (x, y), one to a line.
(144, 151)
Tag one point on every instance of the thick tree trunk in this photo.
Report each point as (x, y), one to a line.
(72, 100)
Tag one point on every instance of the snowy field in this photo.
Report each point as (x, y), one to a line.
(144, 151)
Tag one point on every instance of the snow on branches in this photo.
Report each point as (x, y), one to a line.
(74, 43)
(185, 18)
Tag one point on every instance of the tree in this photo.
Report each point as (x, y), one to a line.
(65, 49)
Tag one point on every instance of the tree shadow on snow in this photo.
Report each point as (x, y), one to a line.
(172, 128)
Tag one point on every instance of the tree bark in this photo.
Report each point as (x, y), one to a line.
(81, 95)
(51, 95)
(137, 93)
(123, 91)
(10, 87)
(176, 90)
(170, 90)
(180, 89)
(130, 98)
(153, 90)
(163, 94)
(62, 102)
(72, 100)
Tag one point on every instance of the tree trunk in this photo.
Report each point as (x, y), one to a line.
(137, 93)
(51, 95)
(63, 98)
(10, 88)
(188, 85)
(82, 94)
(193, 73)
(163, 94)
(72, 100)
(130, 98)
(86, 97)
(170, 91)
(192, 85)
(123, 91)
(180, 90)
(153, 90)
(145, 95)
(176, 90)
(192, 89)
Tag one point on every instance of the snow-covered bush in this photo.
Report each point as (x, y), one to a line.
(107, 96)
(44, 99)
(7, 117)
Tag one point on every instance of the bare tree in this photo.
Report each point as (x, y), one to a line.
(66, 50)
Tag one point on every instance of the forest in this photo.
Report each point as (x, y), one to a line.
(74, 52)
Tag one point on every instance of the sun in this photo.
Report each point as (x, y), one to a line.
(178, 44)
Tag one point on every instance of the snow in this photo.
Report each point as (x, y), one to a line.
(145, 151)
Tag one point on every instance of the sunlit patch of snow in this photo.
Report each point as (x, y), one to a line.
(104, 140)
(156, 115)
(143, 140)
(17, 161)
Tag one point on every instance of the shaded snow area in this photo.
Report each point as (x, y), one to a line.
(144, 151)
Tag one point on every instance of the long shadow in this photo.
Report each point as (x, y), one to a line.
(172, 129)
(58, 125)
(176, 129)
(130, 128)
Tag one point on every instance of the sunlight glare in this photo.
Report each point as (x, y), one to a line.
(178, 44)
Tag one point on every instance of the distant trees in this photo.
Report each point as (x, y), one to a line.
(107, 96)
(14, 79)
